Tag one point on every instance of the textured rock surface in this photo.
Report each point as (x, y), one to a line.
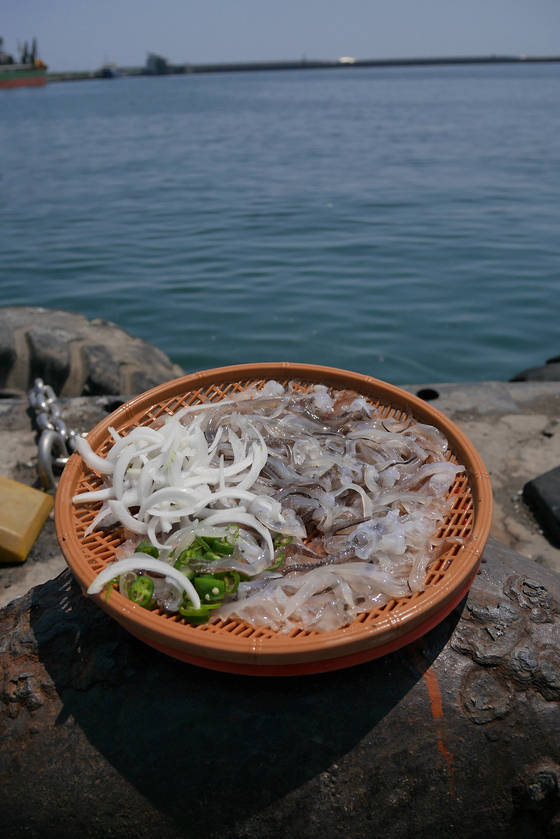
(457, 735)
(542, 494)
(75, 356)
(549, 372)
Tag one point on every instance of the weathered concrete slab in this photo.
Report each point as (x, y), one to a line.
(455, 736)
(480, 397)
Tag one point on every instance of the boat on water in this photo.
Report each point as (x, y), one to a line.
(108, 71)
(29, 70)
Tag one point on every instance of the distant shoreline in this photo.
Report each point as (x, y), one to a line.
(348, 63)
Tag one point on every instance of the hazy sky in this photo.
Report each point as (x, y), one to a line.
(84, 34)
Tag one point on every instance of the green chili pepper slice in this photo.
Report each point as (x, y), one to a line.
(202, 541)
(279, 543)
(182, 563)
(278, 561)
(210, 589)
(141, 591)
(232, 533)
(282, 541)
(231, 580)
(219, 546)
(198, 616)
(110, 586)
(145, 548)
(193, 554)
(128, 579)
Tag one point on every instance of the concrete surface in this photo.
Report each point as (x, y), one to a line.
(515, 426)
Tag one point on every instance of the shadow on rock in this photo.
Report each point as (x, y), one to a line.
(208, 749)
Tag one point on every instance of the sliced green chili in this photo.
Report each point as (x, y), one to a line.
(145, 548)
(231, 580)
(279, 543)
(110, 586)
(128, 579)
(210, 589)
(197, 616)
(141, 591)
(282, 541)
(203, 542)
(277, 562)
(232, 533)
(219, 546)
(182, 564)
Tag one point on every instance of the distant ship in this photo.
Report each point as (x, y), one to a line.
(29, 70)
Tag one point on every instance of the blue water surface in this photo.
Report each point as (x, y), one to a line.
(400, 222)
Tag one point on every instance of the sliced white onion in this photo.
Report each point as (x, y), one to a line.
(99, 464)
(143, 562)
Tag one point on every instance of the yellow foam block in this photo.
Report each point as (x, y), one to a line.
(23, 511)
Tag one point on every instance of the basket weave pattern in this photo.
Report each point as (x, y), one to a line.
(469, 520)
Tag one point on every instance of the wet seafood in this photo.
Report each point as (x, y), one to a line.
(317, 505)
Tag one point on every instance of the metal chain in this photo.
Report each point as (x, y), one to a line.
(56, 442)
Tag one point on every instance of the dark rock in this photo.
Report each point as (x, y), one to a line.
(485, 697)
(49, 356)
(75, 356)
(103, 375)
(549, 372)
(8, 356)
(537, 788)
(103, 736)
(140, 380)
(542, 494)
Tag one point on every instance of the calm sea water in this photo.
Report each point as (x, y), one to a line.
(402, 222)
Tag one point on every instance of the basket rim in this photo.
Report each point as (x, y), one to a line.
(357, 637)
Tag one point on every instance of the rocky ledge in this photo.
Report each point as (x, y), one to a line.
(77, 357)
(455, 735)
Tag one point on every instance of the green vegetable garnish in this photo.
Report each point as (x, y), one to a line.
(145, 548)
(210, 589)
(221, 547)
(182, 564)
(231, 580)
(197, 616)
(110, 586)
(141, 591)
(279, 543)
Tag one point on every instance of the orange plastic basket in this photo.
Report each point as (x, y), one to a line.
(235, 646)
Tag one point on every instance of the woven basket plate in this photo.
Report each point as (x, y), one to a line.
(232, 645)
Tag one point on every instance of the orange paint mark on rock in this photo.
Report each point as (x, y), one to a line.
(436, 706)
(434, 693)
(449, 761)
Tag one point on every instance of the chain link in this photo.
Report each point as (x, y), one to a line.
(56, 442)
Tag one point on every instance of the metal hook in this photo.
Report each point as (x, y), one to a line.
(49, 442)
